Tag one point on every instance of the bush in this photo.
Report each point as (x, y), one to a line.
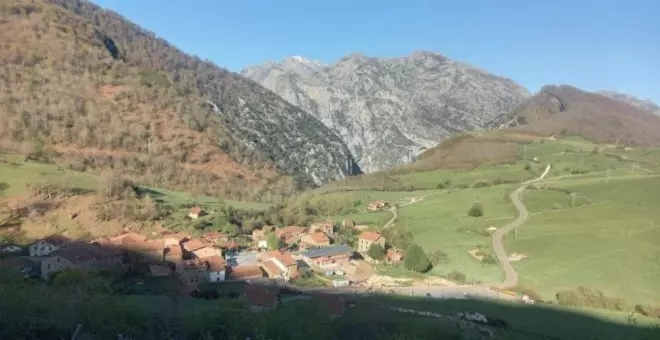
(646, 310)
(489, 259)
(416, 259)
(376, 252)
(528, 167)
(440, 186)
(589, 297)
(438, 257)
(477, 210)
(457, 276)
(481, 184)
(462, 186)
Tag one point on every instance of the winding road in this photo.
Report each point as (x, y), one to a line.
(459, 291)
(511, 277)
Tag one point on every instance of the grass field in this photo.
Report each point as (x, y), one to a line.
(434, 222)
(19, 174)
(609, 241)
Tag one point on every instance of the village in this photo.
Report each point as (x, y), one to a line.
(213, 257)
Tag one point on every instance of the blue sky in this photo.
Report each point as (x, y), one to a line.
(591, 44)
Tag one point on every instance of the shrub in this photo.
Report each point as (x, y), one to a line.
(457, 276)
(376, 252)
(416, 259)
(438, 257)
(481, 184)
(440, 186)
(488, 259)
(477, 210)
(462, 186)
(589, 297)
(528, 167)
(646, 310)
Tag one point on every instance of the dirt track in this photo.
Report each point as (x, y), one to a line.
(511, 277)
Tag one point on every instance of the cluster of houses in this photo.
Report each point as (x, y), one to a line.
(191, 260)
(210, 258)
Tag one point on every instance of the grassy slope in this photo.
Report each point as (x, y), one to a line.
(19, 175)
(549, 236)
(610, 244)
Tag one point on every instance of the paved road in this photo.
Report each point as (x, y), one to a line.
(394, 210)
(511, 277)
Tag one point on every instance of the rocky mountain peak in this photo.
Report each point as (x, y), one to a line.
(387, 109)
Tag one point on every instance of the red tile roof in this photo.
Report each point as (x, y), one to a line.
(319, 237)
(284, 257)
(290, 230)
(145, 245)
(370, 236)
(195, 210)
(192, 245)
(245, 271)
(215, 263)
(271, 268)
(173, 251)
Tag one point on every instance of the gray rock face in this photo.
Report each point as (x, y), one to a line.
(389, 109)
(640, 103)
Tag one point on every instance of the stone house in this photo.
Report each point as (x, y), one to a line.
(82, 256)
(291, 234)
(195, 213)
(48, 244)
(394, 256)
(367, 238)
(326, 227)
(280, 265)
(314, 240)
(333, 255)
(207, 251)
(216, 268)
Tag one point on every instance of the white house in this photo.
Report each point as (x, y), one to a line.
(48, 245)
(216, 269)
(262, 244)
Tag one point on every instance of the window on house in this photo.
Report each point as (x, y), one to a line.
(58, 260)
(48, 266)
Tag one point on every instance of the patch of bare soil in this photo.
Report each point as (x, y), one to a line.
(476, 253)
(109, 91)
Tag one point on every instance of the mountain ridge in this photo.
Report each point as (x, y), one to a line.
(567, 110)
(388, 109)
(645, 104)
(88, 79)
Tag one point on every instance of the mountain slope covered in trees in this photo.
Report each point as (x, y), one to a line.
(566, 110)
(85, 86)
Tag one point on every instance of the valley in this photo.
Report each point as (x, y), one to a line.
(609, 203)
(148, 193)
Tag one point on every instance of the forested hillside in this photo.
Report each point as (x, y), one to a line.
(84, 86)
